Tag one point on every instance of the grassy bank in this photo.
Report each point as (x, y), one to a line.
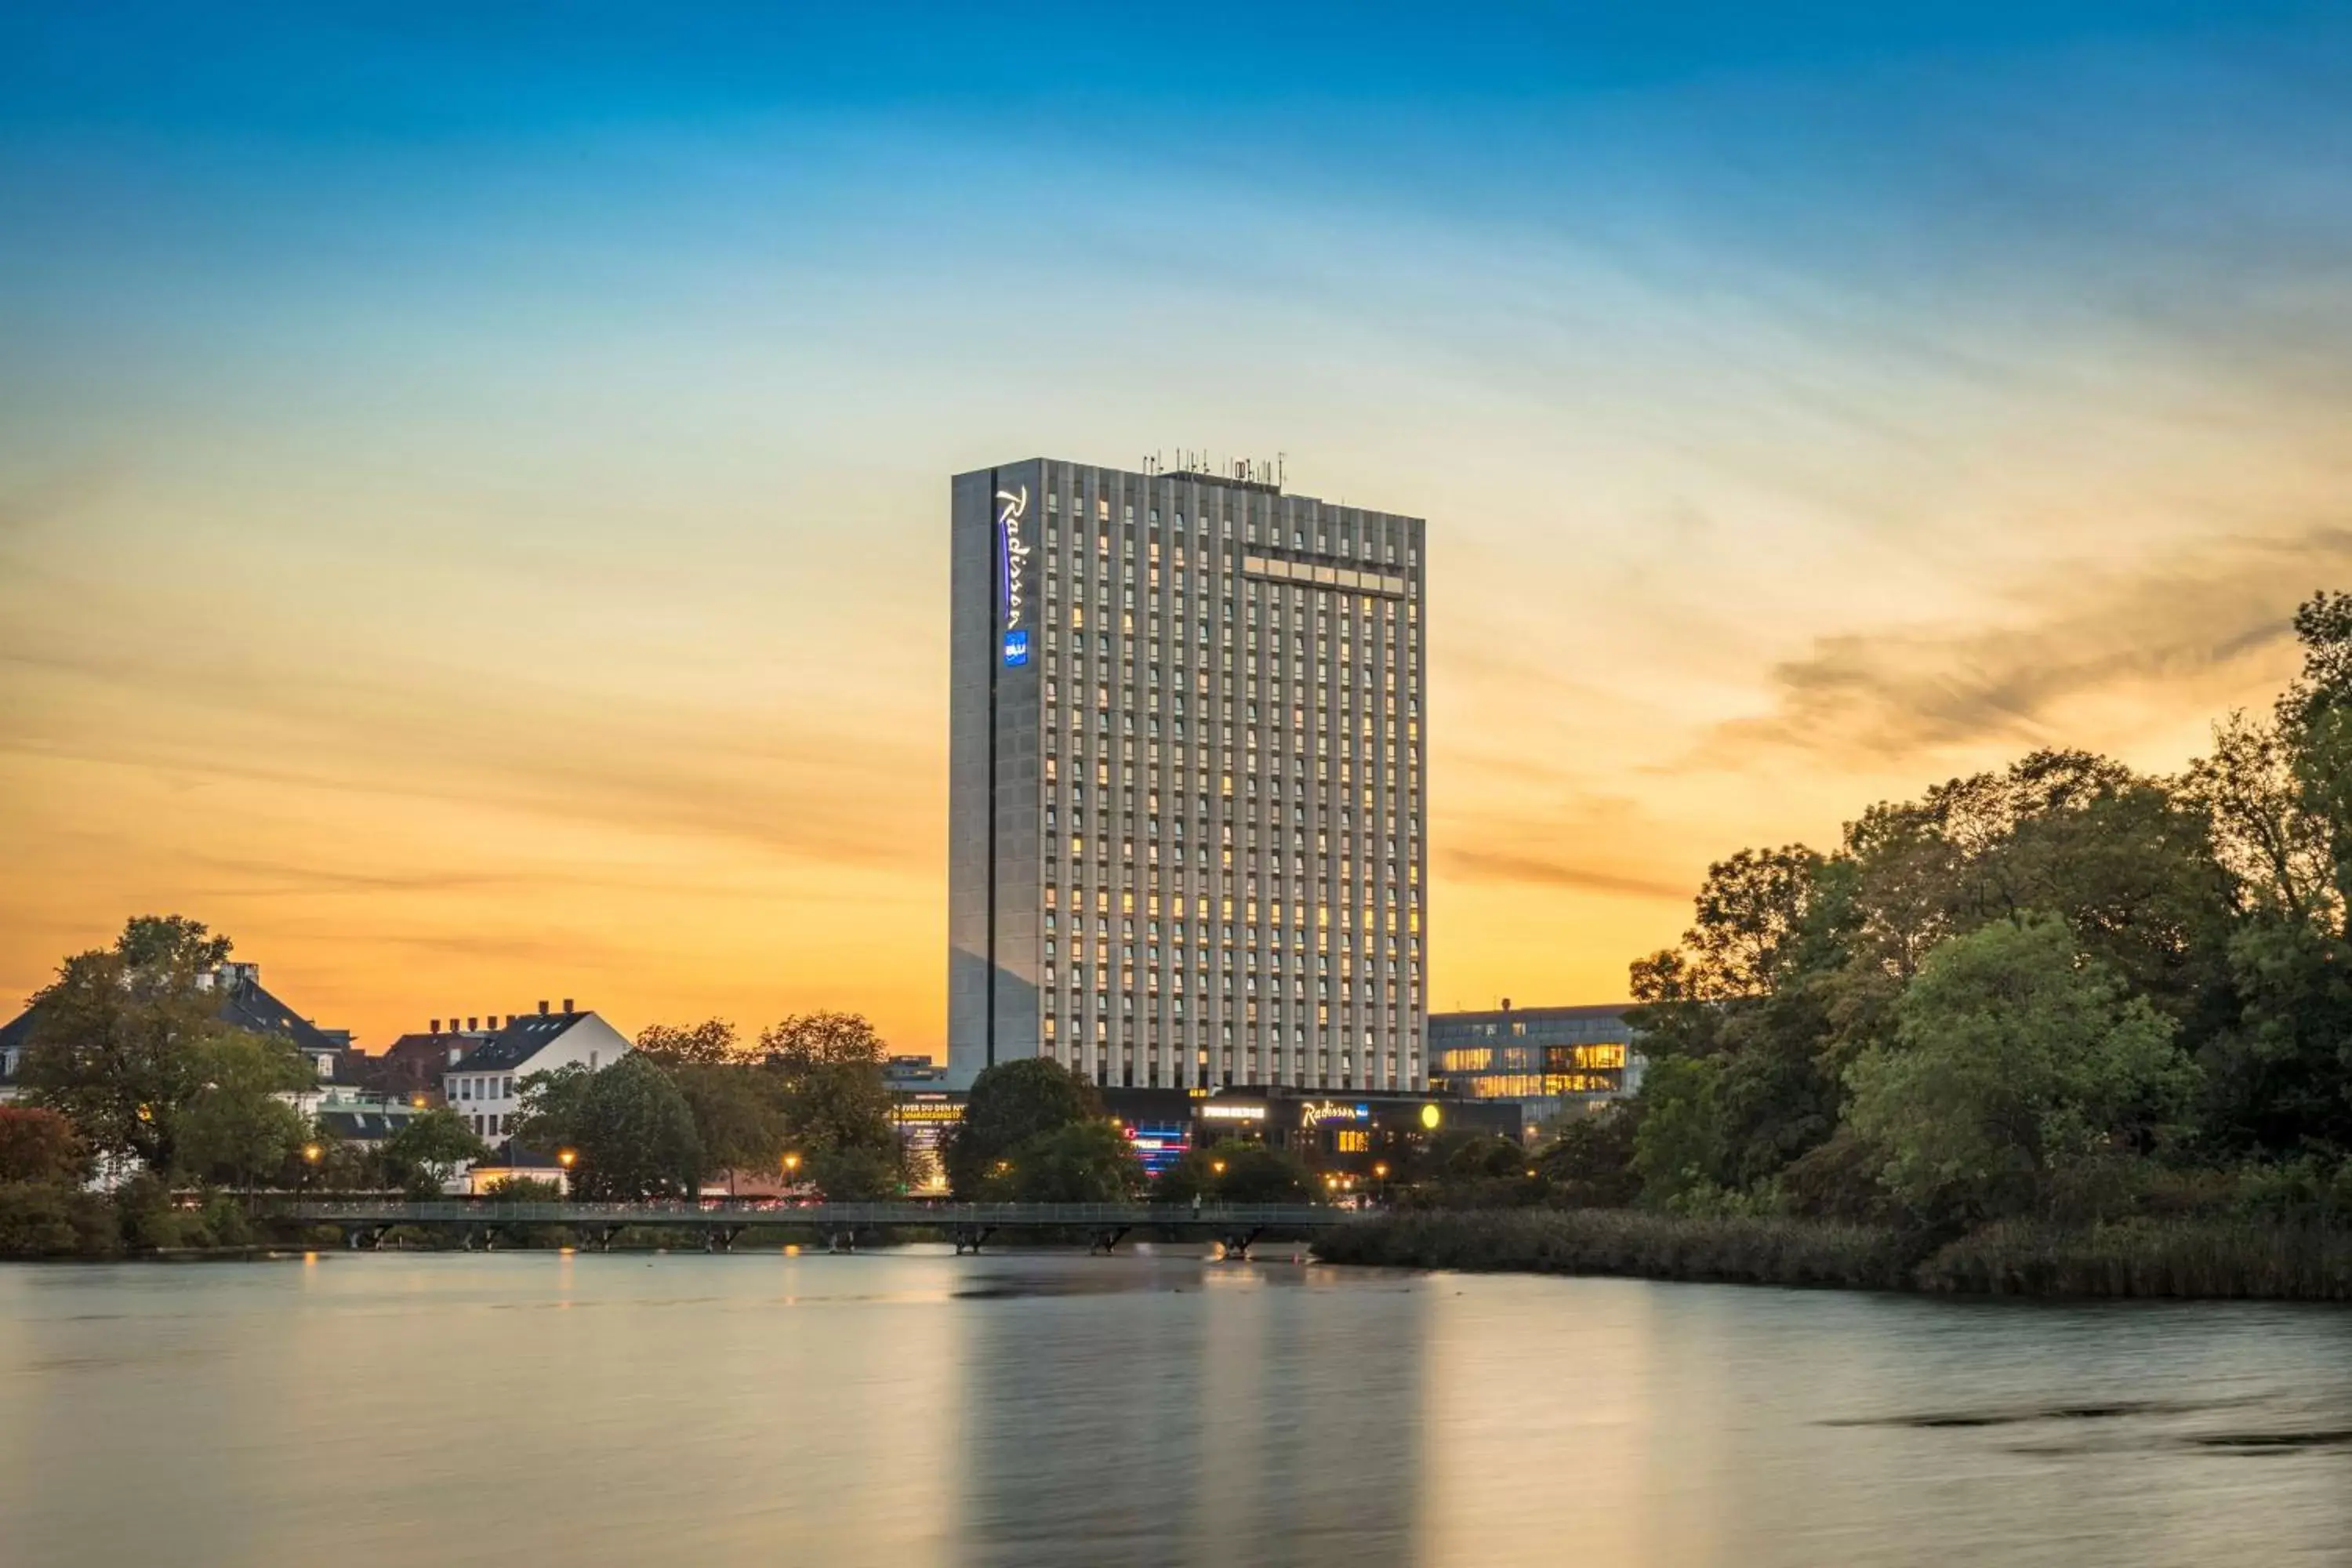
(2179, 1259)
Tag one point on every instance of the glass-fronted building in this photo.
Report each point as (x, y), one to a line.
(1186, 794)
(1550, 1059)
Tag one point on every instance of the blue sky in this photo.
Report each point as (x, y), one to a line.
(498, 455)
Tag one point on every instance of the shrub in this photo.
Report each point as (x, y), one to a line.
(50, 1219)
(2179, 1258)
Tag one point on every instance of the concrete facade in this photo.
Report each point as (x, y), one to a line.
(1187, 786)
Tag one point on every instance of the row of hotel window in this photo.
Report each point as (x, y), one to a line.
(1250, 519)
(1297, 1059)
(1384, 641)
(1481, 1058)
(1536, 1086)
(481, 1088)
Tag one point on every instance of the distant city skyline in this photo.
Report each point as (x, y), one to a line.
(469, 494)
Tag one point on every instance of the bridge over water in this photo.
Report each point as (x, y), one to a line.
(720, 1221)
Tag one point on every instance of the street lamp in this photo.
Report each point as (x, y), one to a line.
(310, 1153)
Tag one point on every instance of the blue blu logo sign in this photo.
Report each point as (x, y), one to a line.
(1016, 648)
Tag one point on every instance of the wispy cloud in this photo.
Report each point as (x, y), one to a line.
(2191, 619)
(1555, 871)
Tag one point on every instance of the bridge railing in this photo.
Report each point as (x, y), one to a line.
(753, 1211)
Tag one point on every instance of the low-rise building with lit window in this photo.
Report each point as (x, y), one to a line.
(483, 1083)
(1552, 1060)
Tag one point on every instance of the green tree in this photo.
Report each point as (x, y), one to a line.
(235, 1127)
(1678, 1143)
(833, 1104)
(739, 1120)
(39, 1145)
(710, 1043)
(630, 1130)
(2015, 1058)
(1591, 1164)
(852, 1173)
(115, 1039)
(1082, 1162)
(1010, 1103)
(427, 1150)
(52, 1219)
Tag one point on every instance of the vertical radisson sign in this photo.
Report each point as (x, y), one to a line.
(1012, 553)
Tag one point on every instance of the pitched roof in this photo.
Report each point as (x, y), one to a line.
(525, 1036)
(360, 1126)
(246, 1004)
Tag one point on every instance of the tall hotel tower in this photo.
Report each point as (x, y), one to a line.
(1186, 839)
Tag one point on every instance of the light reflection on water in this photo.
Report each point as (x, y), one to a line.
(915, 1408)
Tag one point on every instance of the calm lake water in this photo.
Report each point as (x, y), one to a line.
(915, 1408)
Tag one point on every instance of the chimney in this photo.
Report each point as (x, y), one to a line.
(543, 1008)
(473, 1025)
(567, 1003)
(1506, 1004)
(436, 1026)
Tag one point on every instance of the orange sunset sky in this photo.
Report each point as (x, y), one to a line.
(479, 535)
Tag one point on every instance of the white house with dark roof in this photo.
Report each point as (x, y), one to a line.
(483, 1083)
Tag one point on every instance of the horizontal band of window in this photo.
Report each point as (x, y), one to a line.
(1337, 578)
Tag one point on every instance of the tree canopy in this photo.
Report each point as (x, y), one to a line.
(127, 1046)
(1009, 1104)
(2049, 989)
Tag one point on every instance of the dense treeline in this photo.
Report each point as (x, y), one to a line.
(2066, 993)
(148, 1124)
(693, 1104)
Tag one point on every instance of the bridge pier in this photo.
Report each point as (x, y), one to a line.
(1105, 1237)
(967, 1237)
(841, 1240)
(721, 1239)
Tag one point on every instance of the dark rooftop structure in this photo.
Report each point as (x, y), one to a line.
(525, 1036)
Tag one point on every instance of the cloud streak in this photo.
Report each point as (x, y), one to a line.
(2200, 616)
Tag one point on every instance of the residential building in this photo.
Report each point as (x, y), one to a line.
(1187, 781)
(411, 1067)
(240, 1001)
(483, 1082)
(1552, 1060)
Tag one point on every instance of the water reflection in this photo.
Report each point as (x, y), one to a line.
(918, 1409)
(1205, 1414)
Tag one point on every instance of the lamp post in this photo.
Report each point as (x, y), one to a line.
(564, 1162)
(310, 1153)
(1380, 1177)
